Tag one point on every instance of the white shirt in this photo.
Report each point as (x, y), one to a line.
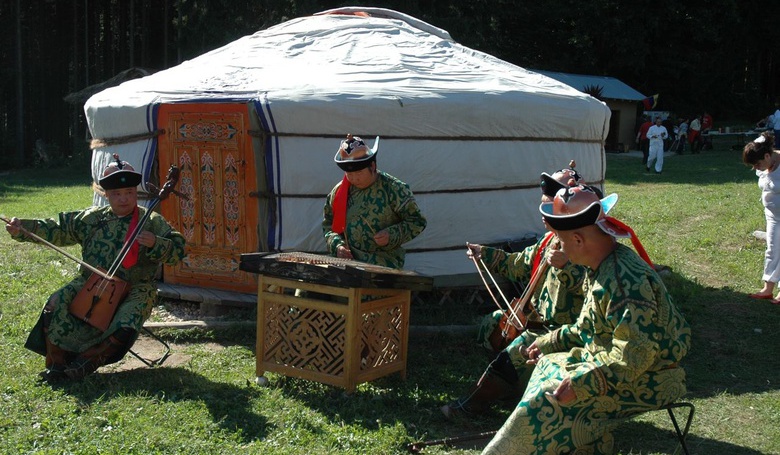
(657, 133)
(769, 182)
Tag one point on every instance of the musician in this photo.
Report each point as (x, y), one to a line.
(557, 301)
(619, 358)
(369, 214)
(73, 348)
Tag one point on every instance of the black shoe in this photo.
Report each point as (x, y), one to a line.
(455, 411)
(52, 375)
(79, 368)
(658, 172)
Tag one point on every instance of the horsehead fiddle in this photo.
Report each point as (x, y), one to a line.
(100, 297)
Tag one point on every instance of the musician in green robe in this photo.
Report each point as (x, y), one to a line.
(620, 358)
(556, 301)
(72, 347)
(370, 214)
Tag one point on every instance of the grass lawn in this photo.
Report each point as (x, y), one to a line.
(697, 218)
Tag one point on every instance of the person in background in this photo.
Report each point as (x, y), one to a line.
(657, 134)
(682, 133)
(766, 123)
(776, 124)
(641, 138)
(761, 155)
(557, 301)
(706, 122)
(671, 130)
(694, 132)
(369, 214)
(619, 359)
(72, 347)
(706, 126)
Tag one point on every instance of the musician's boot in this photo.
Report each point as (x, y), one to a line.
(498, 382)
(56, 357)
(98, 355)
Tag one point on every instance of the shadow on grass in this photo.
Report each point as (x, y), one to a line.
(731, 336)
(230, 406)
(653, 440)
(658, 440)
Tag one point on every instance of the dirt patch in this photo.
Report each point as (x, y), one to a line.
(151, 349)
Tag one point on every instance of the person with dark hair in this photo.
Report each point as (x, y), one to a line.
(73, 348)
(761, 155)
(657, 134)
(619, 359)
(369, 214)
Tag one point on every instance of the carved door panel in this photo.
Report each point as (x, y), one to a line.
(210, 145)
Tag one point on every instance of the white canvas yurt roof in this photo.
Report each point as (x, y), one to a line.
(468, 132)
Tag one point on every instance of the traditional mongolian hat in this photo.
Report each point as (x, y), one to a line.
(119, 174)
(580, 206)
(550, 184)
(354, 155)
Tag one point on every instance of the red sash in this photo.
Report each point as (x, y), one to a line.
(132, 255)
(339, 223)
(540, 252)
(634, 239)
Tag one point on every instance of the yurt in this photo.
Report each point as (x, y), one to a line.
(253, 127)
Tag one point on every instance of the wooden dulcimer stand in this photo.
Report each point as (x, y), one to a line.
(330, 320)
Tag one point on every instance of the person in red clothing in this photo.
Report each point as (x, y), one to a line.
(706, 122)
(706, 126)
(641, 139)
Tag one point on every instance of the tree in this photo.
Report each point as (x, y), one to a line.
(719, 56)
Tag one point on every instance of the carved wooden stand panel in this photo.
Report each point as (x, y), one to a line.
(338, 336)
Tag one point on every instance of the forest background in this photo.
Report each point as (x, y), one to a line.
(720, 56)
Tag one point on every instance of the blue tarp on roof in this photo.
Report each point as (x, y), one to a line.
(612, 88)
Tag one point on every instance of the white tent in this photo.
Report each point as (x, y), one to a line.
(468, 132)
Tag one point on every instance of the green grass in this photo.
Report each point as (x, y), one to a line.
(696, 218)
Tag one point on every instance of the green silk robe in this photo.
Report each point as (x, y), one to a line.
(101, 236)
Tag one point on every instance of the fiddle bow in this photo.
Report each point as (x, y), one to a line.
(514, 320)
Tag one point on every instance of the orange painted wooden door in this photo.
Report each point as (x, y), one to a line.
(210, 145)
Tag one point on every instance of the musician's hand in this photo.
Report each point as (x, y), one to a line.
(343, 252)
(382, 237)
(473, 250)
(15, 227)
(557, 259)
(564, 393)
(146, 239)
(532, 353)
